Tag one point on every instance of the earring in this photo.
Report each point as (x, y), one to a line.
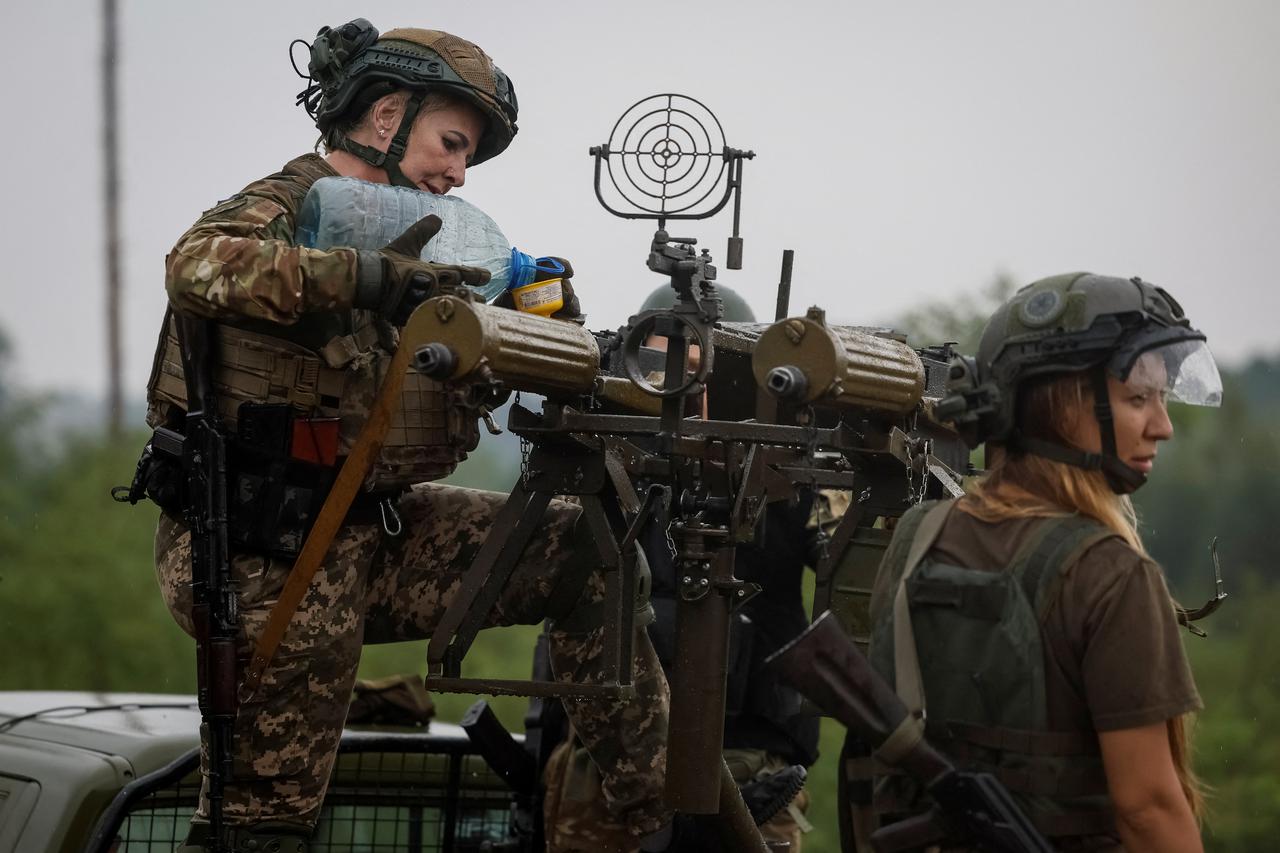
(382, 133)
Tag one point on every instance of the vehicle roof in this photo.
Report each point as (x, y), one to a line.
(146, 729)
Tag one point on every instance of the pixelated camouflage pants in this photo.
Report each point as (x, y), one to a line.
(372, 588)
(577, 820)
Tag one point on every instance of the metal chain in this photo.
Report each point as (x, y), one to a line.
(916, 492)
(525, 446)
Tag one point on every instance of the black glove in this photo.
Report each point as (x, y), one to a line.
(394, 280)
(571, 310)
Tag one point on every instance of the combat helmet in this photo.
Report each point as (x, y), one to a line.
(352, 66)
(735, 308)
(1072, 323)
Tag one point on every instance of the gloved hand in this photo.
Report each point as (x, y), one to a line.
(571, 310)
(394, 280)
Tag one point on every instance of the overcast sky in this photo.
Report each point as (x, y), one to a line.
(906, 151)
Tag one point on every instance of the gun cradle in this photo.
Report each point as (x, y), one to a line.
(524, 352)
(803, 360)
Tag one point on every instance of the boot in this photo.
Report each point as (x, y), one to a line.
(770, 795)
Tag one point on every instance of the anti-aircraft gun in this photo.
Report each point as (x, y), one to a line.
(795, 404)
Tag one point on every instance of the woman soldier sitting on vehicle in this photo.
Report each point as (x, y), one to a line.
(1047, 648)
(316, 329)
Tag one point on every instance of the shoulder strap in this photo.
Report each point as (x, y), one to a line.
(1057, 544)
(906, 661)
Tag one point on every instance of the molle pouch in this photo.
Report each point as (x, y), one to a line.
(274, 493)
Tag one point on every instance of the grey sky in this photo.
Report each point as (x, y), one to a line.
(905, 150)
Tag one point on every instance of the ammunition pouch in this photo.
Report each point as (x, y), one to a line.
(274, 491)
(276, 484)
(432, 430)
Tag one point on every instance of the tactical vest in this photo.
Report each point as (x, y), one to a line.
(327, 365)
(978, 670)
(432, 429)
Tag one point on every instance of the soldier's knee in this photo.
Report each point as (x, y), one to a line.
(576, 606)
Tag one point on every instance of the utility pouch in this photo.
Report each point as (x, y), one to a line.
(160, 475)
(282, 467)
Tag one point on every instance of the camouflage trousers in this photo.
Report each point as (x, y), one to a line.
(372, 588)
(577, 820)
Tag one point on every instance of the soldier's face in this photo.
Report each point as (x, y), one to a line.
(1141, 416)
(443, 140)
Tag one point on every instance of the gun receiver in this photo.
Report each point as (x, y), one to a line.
(854, 433)
(802, 360)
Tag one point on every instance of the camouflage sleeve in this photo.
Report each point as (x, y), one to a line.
(239, 260)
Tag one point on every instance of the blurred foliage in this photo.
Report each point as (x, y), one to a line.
(79, 607)
(958, 321)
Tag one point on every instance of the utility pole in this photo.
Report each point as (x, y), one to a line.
(111, 202)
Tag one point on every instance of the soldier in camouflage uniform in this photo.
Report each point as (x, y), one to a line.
(316, 329)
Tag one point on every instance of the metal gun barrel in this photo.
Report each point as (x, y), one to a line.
(526, 352)
(842, 366)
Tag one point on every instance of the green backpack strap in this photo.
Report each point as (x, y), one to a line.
(1061, 542)
(906, 661)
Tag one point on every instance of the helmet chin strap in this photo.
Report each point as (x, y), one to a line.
(389, 160)
(1122, 479)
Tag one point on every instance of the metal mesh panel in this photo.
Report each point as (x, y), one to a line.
(160, 819)
(379, 801)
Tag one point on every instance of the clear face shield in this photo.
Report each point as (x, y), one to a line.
(1183, 369)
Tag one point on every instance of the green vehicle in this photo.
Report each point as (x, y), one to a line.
(119, 773)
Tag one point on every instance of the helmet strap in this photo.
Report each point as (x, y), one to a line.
(389, 160)
(1122, 479)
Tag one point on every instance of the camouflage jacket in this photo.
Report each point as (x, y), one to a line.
(239, 260)
(239, 265)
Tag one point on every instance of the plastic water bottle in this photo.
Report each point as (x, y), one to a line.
(364, 215)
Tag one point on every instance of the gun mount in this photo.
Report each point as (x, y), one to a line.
(775, 409)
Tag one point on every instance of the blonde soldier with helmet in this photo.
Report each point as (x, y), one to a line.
(1025, 622)
(311, 332)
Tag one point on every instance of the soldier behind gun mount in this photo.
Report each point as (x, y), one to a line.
(1025, 622)
(303, 337)
(770, 739)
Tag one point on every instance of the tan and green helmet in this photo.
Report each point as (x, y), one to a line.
(1072, 323)
(351, 66)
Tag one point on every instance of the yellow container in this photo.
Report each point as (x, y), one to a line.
(542, 297)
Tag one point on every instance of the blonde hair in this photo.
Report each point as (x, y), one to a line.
(1022, 485)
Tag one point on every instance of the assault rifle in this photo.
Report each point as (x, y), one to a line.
(796, 404)
(826, 666)
(213, 605)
